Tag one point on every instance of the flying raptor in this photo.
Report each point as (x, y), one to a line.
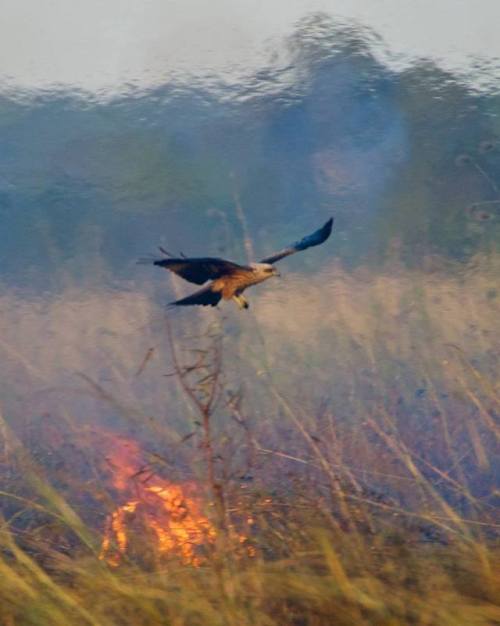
(229, 280)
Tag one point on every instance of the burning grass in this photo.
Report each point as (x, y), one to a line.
(348, 476)
(166, 515)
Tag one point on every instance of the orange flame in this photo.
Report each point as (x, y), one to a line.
(170, 511)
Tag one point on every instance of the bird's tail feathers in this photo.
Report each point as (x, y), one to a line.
(154, 260)
(203, 297)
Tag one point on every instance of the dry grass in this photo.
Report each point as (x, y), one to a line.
(355, 445)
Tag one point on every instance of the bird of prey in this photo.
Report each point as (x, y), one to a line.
(229, 280)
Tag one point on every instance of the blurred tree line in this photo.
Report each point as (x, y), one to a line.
(406, 160)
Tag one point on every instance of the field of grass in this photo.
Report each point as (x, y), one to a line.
(339, 450)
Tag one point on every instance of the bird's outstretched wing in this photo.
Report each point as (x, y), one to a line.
(197, 270)
(315, 239)
(203, 297)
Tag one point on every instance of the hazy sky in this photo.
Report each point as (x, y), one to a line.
(103, 44)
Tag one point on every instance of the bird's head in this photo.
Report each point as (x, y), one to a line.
(265, 270)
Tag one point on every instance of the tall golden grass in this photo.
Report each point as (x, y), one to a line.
(356, 427)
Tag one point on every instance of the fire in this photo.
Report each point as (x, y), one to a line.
(169, 514)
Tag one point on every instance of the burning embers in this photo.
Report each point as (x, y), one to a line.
(158, 516)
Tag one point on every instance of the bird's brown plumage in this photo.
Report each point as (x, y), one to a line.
(228, 279)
